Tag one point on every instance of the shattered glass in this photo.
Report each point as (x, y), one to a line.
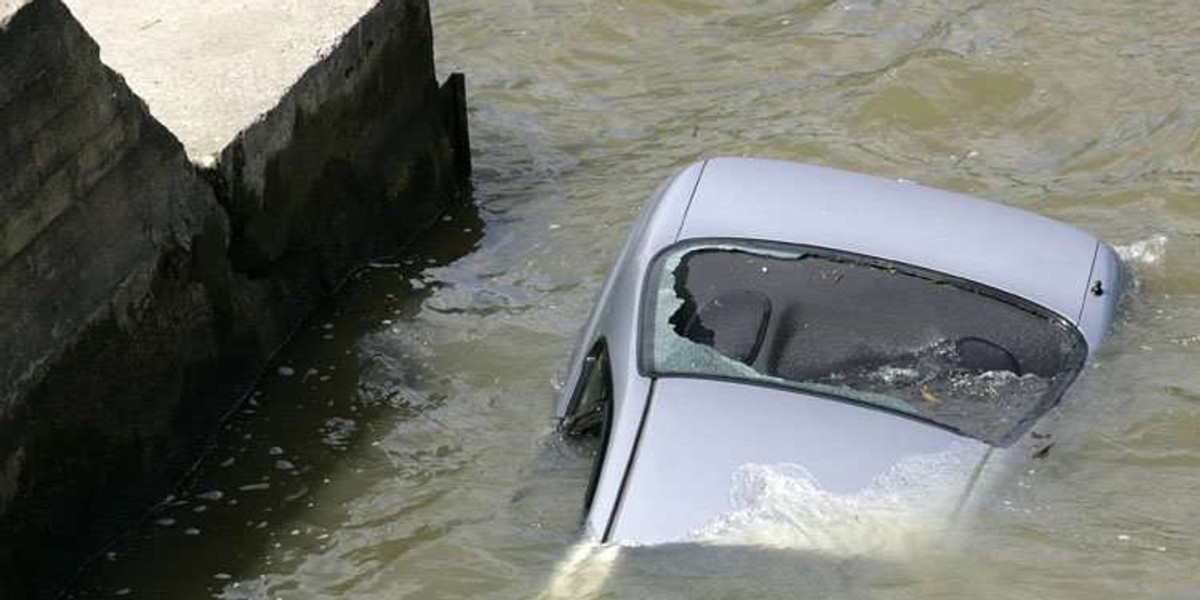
(860, 330)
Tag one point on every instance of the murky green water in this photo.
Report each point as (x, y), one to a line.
(398, 449)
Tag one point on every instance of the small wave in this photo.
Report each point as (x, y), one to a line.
(582, 572)
(1147, 252)
(784, 506)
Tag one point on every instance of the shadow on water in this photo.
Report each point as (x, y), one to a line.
(250, 502)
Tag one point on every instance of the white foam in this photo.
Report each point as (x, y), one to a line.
(582, 572)
(1145, 252)
(784, 506)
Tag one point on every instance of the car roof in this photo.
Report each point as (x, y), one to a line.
(1006, 248)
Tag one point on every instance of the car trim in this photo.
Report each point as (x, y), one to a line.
(625, 475)
(645, 309)
(1088, 284)
(815, 394)
(691, 198)
(590, 360)
(970, 489)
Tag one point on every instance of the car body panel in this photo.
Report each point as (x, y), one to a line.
(1009, 249)
(656, 227)
(1099, 310)
(614, 320)
(1040, 260)
(699, 431)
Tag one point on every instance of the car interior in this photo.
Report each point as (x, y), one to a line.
(816, 315)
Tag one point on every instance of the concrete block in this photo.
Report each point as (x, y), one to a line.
(140, 293)
(207, 70)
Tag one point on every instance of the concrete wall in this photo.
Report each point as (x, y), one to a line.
(140, 294)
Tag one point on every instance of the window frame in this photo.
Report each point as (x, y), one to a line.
(597, 358)
(654, 274)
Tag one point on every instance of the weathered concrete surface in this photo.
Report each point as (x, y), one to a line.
(207, 69)
(325, 165)
(8, 8)
(139, 294)
(104, 221)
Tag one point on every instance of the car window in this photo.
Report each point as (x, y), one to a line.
(892, 336)
(589, 414)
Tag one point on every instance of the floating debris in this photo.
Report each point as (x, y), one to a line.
(929, 397)
(298, 494)
(338, 431)
(211, 495)
(286, 371)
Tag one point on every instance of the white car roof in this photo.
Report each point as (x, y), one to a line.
(1006, 248)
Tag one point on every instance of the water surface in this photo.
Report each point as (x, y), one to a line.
(399, 447)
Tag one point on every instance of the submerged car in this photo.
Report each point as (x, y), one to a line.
(769, 313)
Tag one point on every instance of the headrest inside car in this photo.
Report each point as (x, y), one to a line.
(978, 354)
(734, 323)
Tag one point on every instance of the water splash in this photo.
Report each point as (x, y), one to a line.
(906, 510)
(582, 572)
(784, 506)
(1147, 252)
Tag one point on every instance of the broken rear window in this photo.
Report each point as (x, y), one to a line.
(948, 351)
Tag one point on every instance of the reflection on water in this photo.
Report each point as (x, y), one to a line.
(407, 456)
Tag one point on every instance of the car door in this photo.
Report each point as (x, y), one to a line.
(589, 412)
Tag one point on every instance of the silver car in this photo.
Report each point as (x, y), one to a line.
(768, 313)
